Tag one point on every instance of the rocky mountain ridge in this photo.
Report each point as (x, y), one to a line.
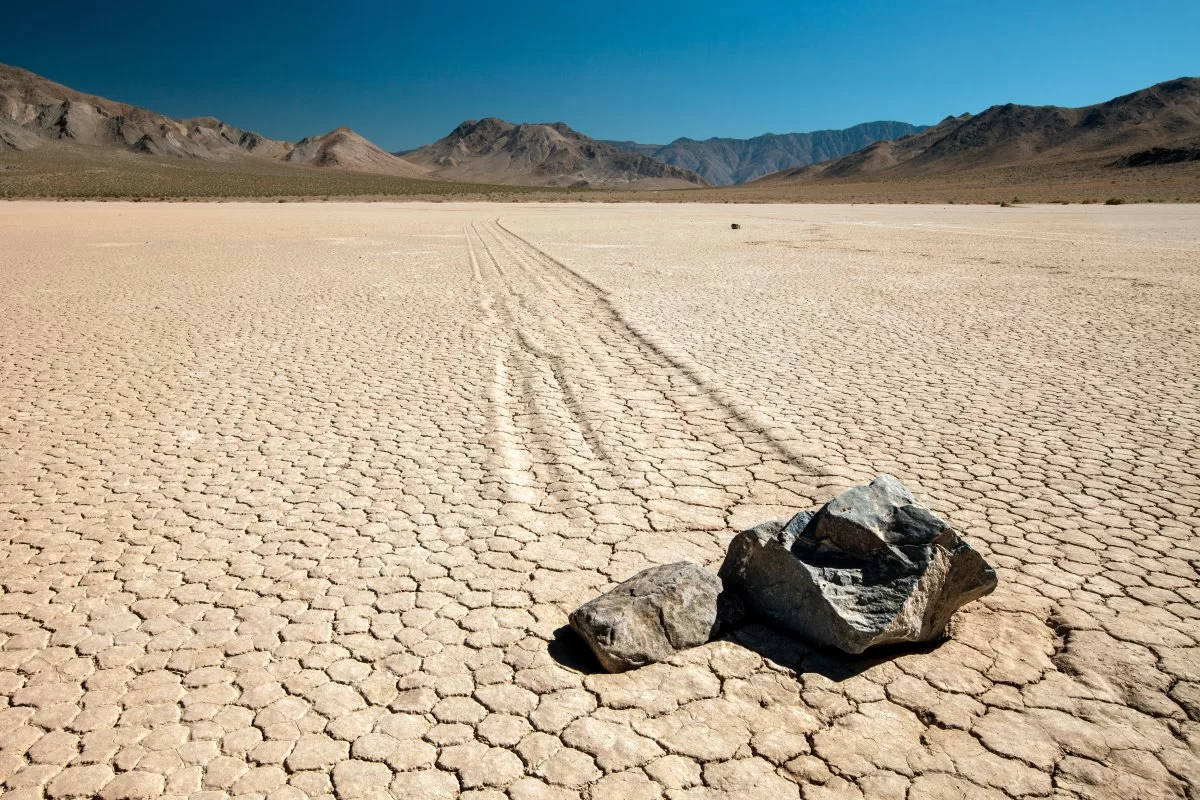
(725, 161)
(35, 111)
(491, 150)
(1163, 117)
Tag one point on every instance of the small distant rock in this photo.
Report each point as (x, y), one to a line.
(871, 567)
(655, 614)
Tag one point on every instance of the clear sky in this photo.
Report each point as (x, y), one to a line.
(403, 74)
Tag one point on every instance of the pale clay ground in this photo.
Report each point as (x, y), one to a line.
(295, 498)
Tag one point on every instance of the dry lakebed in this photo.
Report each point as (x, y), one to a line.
(295, 499)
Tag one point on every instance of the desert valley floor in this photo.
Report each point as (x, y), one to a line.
(295, 498)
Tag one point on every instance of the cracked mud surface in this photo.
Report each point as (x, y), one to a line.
(294, 500)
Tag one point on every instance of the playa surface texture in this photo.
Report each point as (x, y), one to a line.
(295, 499)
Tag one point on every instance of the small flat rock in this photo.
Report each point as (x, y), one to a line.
(871, 567)
(134, 786)
(361, 779)
(428, 784)
(80, 781)
(655, 614)
(319, 752)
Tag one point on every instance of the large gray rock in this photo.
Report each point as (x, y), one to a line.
(871, 567)
(655, 614)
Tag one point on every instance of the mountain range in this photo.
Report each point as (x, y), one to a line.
(724, 162)
(1156, 125)
(1145, 132)
(35, 111)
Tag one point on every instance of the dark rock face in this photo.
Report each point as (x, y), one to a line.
(655, 614)
(1156, 156)
(871, 567)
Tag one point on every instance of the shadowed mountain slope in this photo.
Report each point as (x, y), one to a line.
(723, 161)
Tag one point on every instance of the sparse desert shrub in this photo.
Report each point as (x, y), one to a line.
(1114, 201)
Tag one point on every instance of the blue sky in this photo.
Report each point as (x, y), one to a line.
(403, 74)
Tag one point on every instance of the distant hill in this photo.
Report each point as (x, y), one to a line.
(35, 111)
(1156, 125)
(342, 148)
(491, 150)
(724, 162)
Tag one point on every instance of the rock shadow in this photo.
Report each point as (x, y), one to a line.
(802, 658)
(569, 649)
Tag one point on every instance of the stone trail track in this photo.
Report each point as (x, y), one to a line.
(587, 403)
(294, 500)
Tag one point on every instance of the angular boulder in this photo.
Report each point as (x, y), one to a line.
(870, 567)
(655, 614)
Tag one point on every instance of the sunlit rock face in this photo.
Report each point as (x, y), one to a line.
(870, 567)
